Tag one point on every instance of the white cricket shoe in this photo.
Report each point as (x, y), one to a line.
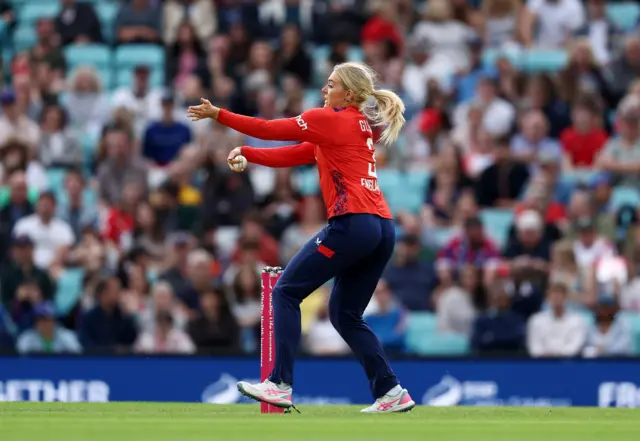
(400, 402)
(278, 395)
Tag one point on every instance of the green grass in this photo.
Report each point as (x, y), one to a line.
(206, 422)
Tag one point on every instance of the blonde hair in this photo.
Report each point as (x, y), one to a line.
(389, 108)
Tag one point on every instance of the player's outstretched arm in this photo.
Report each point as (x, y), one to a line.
(289, 156)
(309, 126)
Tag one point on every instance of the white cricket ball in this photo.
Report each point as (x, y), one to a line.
(240, 164)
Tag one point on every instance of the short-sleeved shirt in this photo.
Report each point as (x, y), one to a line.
(616, 150)
(556, 20)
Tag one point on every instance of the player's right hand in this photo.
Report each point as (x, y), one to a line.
(231, 159)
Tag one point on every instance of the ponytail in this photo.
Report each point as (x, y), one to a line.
(388, 112)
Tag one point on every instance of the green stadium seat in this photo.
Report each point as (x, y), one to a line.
(24, 38)
(96, 55)
(542, 60)
(107, 12)
(625, 196)
(69, 289)
(579, 176)
(633, 319)
(491, 56)
(419, 326)
(132, 55)
(124, 78)
(418, 180)
(56, 178)
(497, 223)
(624, 15)
(31, 11)
(308, 182)
(422, 337)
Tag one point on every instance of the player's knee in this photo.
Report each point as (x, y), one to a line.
(341, 319)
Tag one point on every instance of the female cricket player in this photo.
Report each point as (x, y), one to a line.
(358, 241)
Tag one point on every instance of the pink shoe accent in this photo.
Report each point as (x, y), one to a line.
(386, 406)
(405, 399)
(275, 392)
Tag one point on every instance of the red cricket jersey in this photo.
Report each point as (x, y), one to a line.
(340, 141)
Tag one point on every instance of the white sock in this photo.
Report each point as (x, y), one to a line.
(284, 386)
(395, 391)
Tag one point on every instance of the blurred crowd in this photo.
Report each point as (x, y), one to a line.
(122, 228)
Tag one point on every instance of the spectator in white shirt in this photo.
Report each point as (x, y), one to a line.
(555, 20)
(590, 246)
(51, 236)
(498, 115)
(165, 338)
(556, 332)
(14, 124)
(611, 334)
(322, 338)
(533, 139)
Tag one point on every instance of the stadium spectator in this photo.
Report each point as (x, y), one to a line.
(21, 268)
(106, 327)
(621, 154)
(410, 278)
(533, 139)
(472, 247)
(162, 300)
(141, 98)
(14, 124)
(550, 23)
(186, 57)
(293, 59)
(530, 250)
(501, 183)
(583, 75)
(312, 219)
(58, 147)
(558, 331)
(582, 206)
(585, 138)
(47, 50)
(28, 297)
(87, 104)
(538, 198)
(499, 23)
(139, 21)
(601, 31)
(590, 246)
(455, 304)
(499, 330)
(163, 139)
(382, 28)
(179, 245)
(90, 253)
(201, 15)
(120, 167)
(77, 205)
(625, 68)
(252, 231)
(51, 236)
(611, 334)
(16, 156)
(565, 270)
(540, 93)
(165, 338)
(322, 338)
(199, 281)
(77, 23)
(387, 319)
(16, 207)
(47, 336)
(214, 328)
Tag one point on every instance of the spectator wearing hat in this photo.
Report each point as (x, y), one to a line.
(17, 207)
(499, 329)
(163, 139)
(501, 183)
(51, 236)
(611, 334)
(410, 278)
(138, 21)
(120, 167)
(583, 141)
(77, 22)
(47, 336)
(107, 327)
(558, 331)
(472, 247)
(14, 124)
(21, 268)
(621, 154)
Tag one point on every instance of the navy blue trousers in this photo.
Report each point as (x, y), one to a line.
(353, 248)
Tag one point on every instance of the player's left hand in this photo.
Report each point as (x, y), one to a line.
(204, 110)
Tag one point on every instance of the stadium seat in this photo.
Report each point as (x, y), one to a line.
(124, 77)
(308, 184)
(419, 326)
(417, 181)
(624, 15)
(69, 289)
(107, 12)
(31, 11)
(624, 196)
(491, 56)
(319, 55)
(96, 55)
(24, 38)
(354, 54)
(132, 55)
(442, 236)
(545, 60)
(579, 176)
(497, 223)
(633, 319)
(56, 178)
